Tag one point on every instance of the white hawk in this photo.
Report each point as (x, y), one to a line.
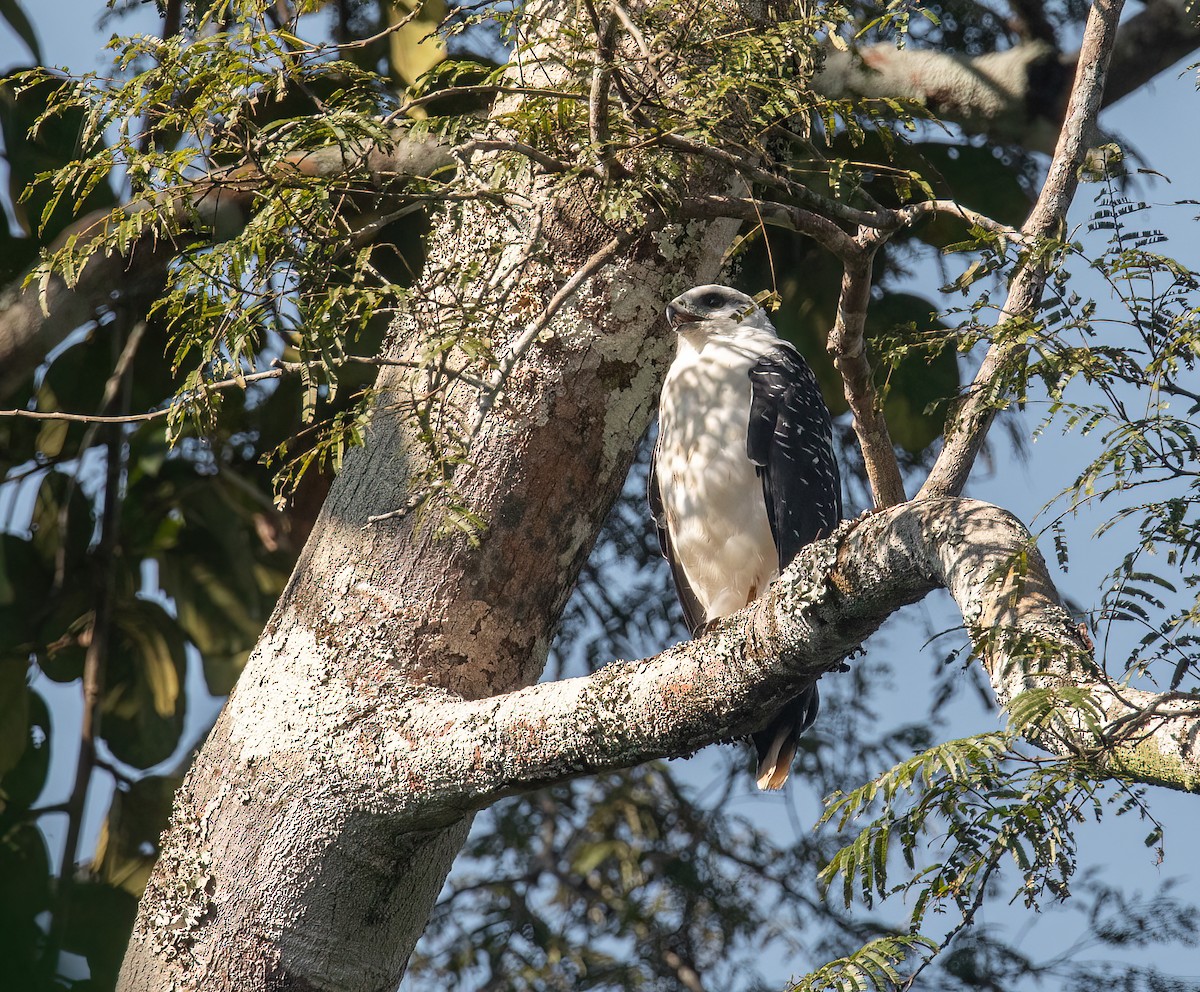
(743, 475)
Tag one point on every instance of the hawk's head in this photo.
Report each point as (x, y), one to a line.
(718, 309)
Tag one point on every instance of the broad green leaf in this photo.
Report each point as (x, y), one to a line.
(23, 783)
(143, 699)
(127, 846)
(10, 11)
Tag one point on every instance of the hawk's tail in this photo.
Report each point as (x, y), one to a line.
(776, 745)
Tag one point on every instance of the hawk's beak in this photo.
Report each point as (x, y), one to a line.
(676, 316)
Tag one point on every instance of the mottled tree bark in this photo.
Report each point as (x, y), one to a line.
(314, 832)
(284, 867)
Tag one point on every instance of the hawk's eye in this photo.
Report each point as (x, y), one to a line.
(711, 300)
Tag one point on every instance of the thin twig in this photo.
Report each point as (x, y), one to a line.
(480, 90)
(527, 337)
(639, 39)
(913, 212)
(400, 512)
(97, 653)
(966, 433)
(278, 370)
(822, 230)
(742, 166)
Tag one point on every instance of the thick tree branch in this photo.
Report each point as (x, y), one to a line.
(968, 429)
(1150, 42)
(1017, 96)
(436, 757)
(998, 94)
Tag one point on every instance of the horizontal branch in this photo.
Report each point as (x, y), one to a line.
(821, 229)
(278, 369)
(440, 756)
(992, 94)
(35, 318)
(1020, 95)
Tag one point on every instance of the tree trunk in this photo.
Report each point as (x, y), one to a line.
(282, 868)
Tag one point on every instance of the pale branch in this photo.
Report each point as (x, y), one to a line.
(847, 346)
(639, 39)
(968, 427)
(822, 230)
(439, 756)
(1018, 95)
(34, 318)
(836, 593)
(1150, 42)
(987, 94)
(492, 89)
(743, 166)
(911, 213)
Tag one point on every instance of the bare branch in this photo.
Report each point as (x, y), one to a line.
(742, 166)
(910, 214)
(547, 162)
(1150, 42)
(100, 637)
(822, 230)
(847, 346)
(277, 371)
(1018, 95)
(966, 433)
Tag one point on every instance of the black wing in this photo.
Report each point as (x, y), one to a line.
(693, 612)
(790, 440)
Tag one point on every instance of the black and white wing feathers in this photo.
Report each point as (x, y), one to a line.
(790, 441)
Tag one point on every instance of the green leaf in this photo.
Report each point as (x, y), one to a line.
(143, 699)
(127, 846)
(53, 145)
(99, 921)
(25, 893)
(24, 782)
(63, 523)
